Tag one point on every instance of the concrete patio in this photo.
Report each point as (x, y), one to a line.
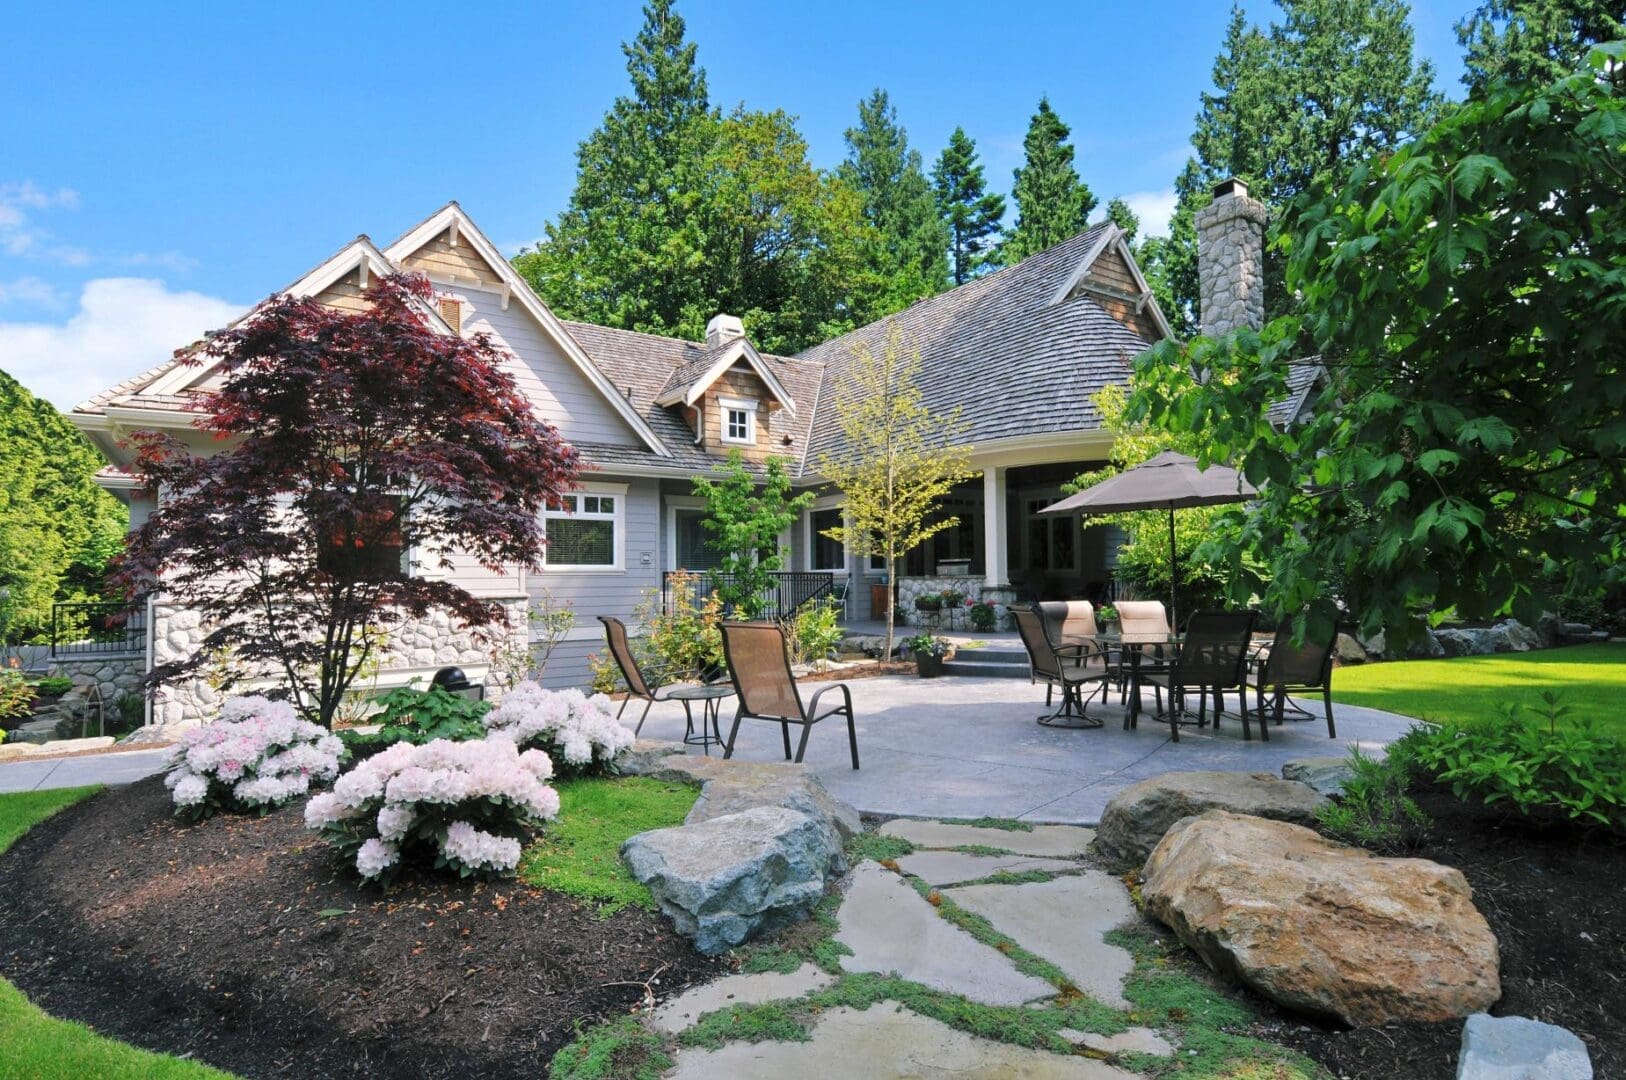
(969, 747)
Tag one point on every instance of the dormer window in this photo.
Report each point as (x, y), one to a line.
(739, 421)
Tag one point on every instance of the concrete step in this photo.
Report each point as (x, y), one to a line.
(992, 656)
(986, 670)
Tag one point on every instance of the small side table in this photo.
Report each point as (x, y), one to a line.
(711, 700)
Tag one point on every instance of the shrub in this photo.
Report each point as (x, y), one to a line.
(256, 757)
(1374, 810)
(419, 716)
(683, 636)
(984, 616)
(815, 630)
(578, 733)
(16, 696)
(461, 806)
(1540, 767)
(54, 685)
(606, 677)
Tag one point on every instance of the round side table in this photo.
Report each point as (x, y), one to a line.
(711, 701)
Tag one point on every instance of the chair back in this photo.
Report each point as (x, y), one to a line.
(1041, 653)
(1068, 622)
(759, 665)
(1215, 651)
(1143, 618)
(615, 635)
(1309, 664)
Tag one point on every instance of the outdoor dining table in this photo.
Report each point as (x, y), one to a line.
(1132, 646)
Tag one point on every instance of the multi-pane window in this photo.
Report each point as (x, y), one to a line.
(739, 421)
(583, 531)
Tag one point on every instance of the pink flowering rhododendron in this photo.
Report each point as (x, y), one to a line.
(580, 733)
(467, 806)
(259, 755)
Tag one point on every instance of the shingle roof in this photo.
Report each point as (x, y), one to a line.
(998, 348)
(1302, 378)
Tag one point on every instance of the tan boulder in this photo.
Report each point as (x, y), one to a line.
(1136, 818)
(1323, 928)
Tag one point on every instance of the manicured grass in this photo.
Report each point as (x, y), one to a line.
(579, 853)
(1590, 679)
(39, 1047)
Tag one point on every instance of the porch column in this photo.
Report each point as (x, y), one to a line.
(995, 559)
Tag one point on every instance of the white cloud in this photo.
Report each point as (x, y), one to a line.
(1153, 208)
(29, 290)
(122, 326)
(24, 238)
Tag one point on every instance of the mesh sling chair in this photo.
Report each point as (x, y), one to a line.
(759, 665)
(1149, 621)
(638, 687)
(1213, 657)
(1071, 673)
(1286, 669)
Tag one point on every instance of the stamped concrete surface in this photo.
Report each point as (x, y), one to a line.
(125, 767)
(885, 1040)
(1055, 841)
(891, 929)
(685, 1009)
(1063, 920)
(968, 747)
(958, 868)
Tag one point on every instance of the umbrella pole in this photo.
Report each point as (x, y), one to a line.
(1174, 577)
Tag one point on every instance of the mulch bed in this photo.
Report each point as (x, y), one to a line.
(210, 940)
(1553, 897)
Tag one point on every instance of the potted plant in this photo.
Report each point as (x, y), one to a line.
(1106, 618)
(953, 601)
(983, 614)
(929, 653)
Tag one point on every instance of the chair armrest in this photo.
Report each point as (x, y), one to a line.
(813, 702)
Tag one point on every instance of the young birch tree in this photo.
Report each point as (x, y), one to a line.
(898, 459)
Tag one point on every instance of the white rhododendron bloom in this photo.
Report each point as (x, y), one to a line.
(578, 731)
(259, 755)
(410, 797)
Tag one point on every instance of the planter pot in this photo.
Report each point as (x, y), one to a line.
(928, 666)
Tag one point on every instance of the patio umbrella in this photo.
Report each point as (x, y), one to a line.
(1168, 481)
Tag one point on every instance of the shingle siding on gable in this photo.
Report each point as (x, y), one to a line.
(439, 258)
(739, 385)
(344, 294)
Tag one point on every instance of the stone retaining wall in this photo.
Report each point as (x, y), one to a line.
(972, 588)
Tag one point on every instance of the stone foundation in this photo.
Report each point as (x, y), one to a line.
(972, 588)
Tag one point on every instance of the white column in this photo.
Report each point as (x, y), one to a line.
(996, 560)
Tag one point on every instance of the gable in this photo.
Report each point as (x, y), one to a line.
(1111, 283)
(451, 258)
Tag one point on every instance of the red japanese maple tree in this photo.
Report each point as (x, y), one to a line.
(349, 440)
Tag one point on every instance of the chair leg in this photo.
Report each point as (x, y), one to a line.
(642, 717)
(852, 737)
(1281, 704)
(1245, 733)
(733, 733)
(1049, 689)
(801, 746)
(784, 729)
(1177, 704)
(1202, 708)
(1264, 721)
(1326, 700)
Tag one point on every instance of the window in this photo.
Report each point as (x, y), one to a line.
(691, 540)
(584, 532)
(371, 548)
(823, 552)
(739, 421)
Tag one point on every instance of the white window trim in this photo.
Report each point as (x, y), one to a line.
(749, 408)
(828, 502)
(619, 540)
(674, 503)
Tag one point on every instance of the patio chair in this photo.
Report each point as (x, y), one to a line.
(1148, 620)
(759, 665)
(638, 687)
(1069, 622)
(1284, 669)
(1069, 672)
(1213, 658)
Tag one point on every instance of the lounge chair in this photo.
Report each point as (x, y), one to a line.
(1285, 669)
(1212, 658)
(1071, 670)
(759, 665)
(638, 687)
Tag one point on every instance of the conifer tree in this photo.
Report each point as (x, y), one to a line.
(1052, 203)
(971, 212)
(912, 242)
(1119, 214)
(1535, 40)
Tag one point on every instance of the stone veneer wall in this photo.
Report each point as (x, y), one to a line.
(114, 676)
(1231, 262)
(416, 648)
(970, 587)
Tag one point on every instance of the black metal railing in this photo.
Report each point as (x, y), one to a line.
(791, 589)
(102, 629)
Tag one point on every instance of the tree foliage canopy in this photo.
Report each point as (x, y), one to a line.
(911, 252)
(1467, 294)
(1052, 203)
(745, 515)
(1535, 40)
(351, 439)
(971, 212)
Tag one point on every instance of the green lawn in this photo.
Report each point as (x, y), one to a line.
(1590, 679)
(579, 850)
(39, 1047)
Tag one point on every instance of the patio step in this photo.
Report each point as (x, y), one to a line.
(989, 663)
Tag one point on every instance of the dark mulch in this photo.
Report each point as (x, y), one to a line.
(1554, 898)
(210, 940)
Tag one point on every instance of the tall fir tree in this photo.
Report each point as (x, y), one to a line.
(1052, 203)
(912, 241)
(1119, 213)
(971, 212)
(1170, 262)
(1535, 40)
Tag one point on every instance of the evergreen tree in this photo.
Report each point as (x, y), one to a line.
(971, 212)
(1119, 214)
(912, 241)
(1052, 203)
(1535, 40)
(1170, 262)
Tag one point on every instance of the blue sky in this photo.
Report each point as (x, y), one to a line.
(161, 172)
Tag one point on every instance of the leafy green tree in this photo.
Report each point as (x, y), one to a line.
(1535, 40)
(911, 255)
(745, 514)
(1170, 262)
(971, 212)
(1119, 214)
(58, 530)
(1052, 203)
(1464, 296)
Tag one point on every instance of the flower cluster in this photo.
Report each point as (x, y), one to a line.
(466, 804)
(256, 757)
(578, 732)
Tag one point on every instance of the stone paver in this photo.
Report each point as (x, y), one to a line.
(886, 1040)
(682, 1011)
(1518, 1048)
(1137, 1040)
(890, 928)
(1063, 921)
(957, 867)
(968, 747)
(1057, 841)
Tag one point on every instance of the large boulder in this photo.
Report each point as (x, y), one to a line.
(1136, 818)
(1348, 650)
(729, 878)
(1322, 928)
(731, 786)
(1518, 1048)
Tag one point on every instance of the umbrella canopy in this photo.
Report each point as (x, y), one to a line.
(1169, 481)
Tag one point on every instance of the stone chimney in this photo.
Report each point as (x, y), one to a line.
(1231, 260)
(722, 329)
